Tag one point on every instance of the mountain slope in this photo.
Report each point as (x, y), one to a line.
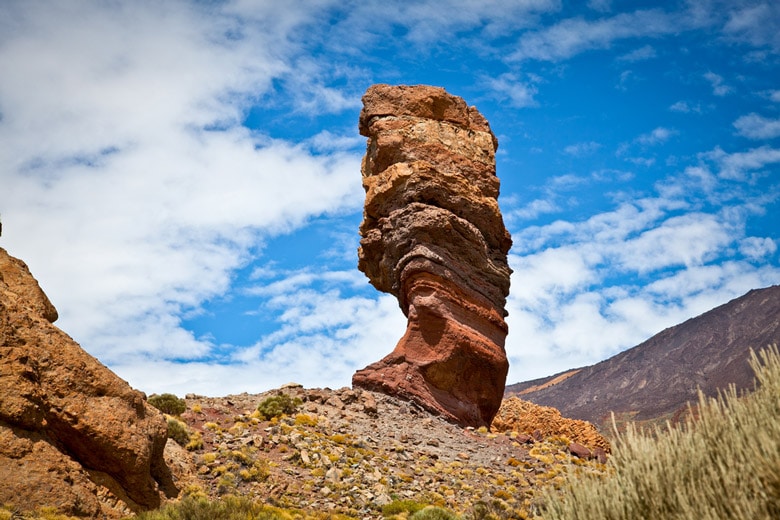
(657, 378)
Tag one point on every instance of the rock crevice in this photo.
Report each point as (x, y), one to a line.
(433, 236)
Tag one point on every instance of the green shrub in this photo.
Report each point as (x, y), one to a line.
(401, 506)
(227, 508)
(723, 465)
(177, 431)
(168, 403)
(277, 405)
(433, 513)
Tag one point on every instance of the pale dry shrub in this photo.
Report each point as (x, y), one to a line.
(723, 465)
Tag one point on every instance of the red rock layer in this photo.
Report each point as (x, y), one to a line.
(433, 236)
(73, 435)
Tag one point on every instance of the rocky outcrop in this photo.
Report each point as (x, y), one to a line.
(73, 435)
(516, 415)
(433, 236)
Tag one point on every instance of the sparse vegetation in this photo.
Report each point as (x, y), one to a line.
(179, 432)
(168, 403)
(230, 508)
(723, 465)
(276, 406)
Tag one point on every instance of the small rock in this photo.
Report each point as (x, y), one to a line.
(578, 450)
(333, 475)
(433, 442)
(382, 499)
(369, 403)
(463, 455)
(325, 491)
(305, 457)
(335, 402)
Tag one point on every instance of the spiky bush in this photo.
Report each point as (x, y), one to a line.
(228, 508)
(723, 465)
(177, 431)
(277, 405)
(168, 403)
(433, 513)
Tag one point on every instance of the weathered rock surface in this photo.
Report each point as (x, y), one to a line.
(73, 435)
(433, 236)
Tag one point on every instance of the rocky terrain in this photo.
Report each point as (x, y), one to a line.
(654, 381)
(353, 451)
(433, 236)
(73, 435)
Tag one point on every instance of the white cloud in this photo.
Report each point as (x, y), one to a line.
(645, 52)
(583, 291)
(580, 149)
(109, 161)
(532, 210)
(658, 135)
(719, 86)
(774, 95)
(575, 35)
(685, 107)
(757, 24)
(510, 87)
(603, 6)
(754, 126)
(757, 248)
(738, 165)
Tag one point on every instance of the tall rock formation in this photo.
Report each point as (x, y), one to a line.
(73, 435)
(433, 236)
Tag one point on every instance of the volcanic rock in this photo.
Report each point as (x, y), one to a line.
(73, 435)
(524, 417)
(433, 236)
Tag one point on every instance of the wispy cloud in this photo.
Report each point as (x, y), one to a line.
(757, 23)
(719, 86)
(685, 107)
(581, 149)
(139, 172)
(645, 52)
(578, 294)
(740, 165)
(575, 35)
(657, 136)
(510, 87)
(754, 126)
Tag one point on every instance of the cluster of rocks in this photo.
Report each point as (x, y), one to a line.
(433, 236)
(544, 422)
(73, 435)
(352, 451)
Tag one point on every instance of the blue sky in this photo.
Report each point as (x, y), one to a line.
(183, 178)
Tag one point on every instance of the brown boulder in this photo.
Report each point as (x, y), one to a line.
(72, 434)
(433, 236)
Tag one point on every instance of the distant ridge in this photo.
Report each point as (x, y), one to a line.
(656, 379)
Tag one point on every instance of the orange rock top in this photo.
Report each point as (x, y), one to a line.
(433, 236)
